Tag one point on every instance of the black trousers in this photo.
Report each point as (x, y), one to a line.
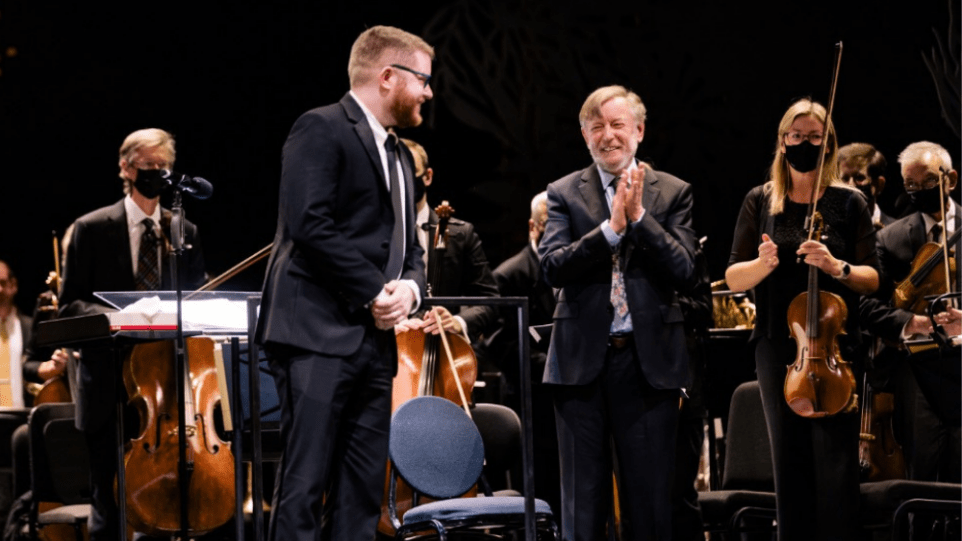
(815, 460)
(618, 412)
(335, 420)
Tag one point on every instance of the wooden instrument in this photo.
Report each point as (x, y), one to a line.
(442, 365)
(880, 457)
(152, 458)
(819, 383)
(54, 389)
(930, 274)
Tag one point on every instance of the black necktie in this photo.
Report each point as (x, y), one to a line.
(148, 275)
(937, 233)
(396, 259)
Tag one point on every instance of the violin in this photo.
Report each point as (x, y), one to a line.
(430, 365)
(819, 383)
(929, 275)
(880, 457)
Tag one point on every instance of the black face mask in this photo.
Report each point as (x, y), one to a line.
(419, 188)
(867, 192)
(927, 201)
(150, 182)
(803, 157)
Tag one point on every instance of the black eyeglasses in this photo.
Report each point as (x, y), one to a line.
(418, 74)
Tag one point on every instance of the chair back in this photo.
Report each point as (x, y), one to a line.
(436, 447)
(748, 452)
(59, 463)
(500, 430)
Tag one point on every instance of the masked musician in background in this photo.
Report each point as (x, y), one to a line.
(862, 166)
(121, 247)
(927, 389)
(815, 459)
(463, 269)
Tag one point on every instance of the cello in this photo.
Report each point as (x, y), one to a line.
(880, 457)
(153, 459)
(819, 383)
(437, 365)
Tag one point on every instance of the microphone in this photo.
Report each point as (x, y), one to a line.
(196, 187)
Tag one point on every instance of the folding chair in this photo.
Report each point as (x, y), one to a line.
(437, 449)
(59, 469)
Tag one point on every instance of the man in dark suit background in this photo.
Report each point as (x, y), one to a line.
(862, 167)
(463, 268)
(346, 267)
(619, 244)
(121, 247)
(927, 386)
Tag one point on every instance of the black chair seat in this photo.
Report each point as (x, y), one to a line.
(880, 499)
(725, 503)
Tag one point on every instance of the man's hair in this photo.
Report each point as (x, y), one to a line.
(863, 154)
(145, 138)
(537, 202)
(915, 151)
(419, 152)
(592, 105)
(380, 46)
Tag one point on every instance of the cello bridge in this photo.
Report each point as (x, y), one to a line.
(189, 430)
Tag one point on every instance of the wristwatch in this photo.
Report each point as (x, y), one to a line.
(846, 270)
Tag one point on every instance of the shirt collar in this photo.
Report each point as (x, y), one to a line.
(136, 215)
(380, 133)
(607, 178)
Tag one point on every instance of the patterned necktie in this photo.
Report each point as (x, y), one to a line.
(6, 390)
(619, 298)
(148, 271)
(396, 258)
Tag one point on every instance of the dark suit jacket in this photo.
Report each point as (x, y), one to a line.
(465, 272)
(333, 238)
(658, 260)
(98, 259)
(520, 276)
(898, 243)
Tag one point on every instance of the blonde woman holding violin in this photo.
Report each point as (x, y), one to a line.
(815, 459)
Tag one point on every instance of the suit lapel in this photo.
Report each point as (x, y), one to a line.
(593, 194)
(363, 130)
(120, 238)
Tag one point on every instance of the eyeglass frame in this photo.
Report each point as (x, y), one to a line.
(427, 78)
(808, 138)
(928, 183)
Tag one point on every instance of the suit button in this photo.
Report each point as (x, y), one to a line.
(610, 308)
(386, 245)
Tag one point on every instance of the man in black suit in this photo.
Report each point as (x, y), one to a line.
(862, 167)
(346, 267)
(619, 244)
(16, 330)
(463, 269)
(927, 384)
(121, 247)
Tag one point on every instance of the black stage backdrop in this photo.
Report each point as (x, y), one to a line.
(229, 79)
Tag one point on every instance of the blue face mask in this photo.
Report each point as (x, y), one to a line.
(803, 157)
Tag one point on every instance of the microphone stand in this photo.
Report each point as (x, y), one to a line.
(184, 468)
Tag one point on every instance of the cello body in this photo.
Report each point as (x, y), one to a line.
(152, 458)
(425, 368)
